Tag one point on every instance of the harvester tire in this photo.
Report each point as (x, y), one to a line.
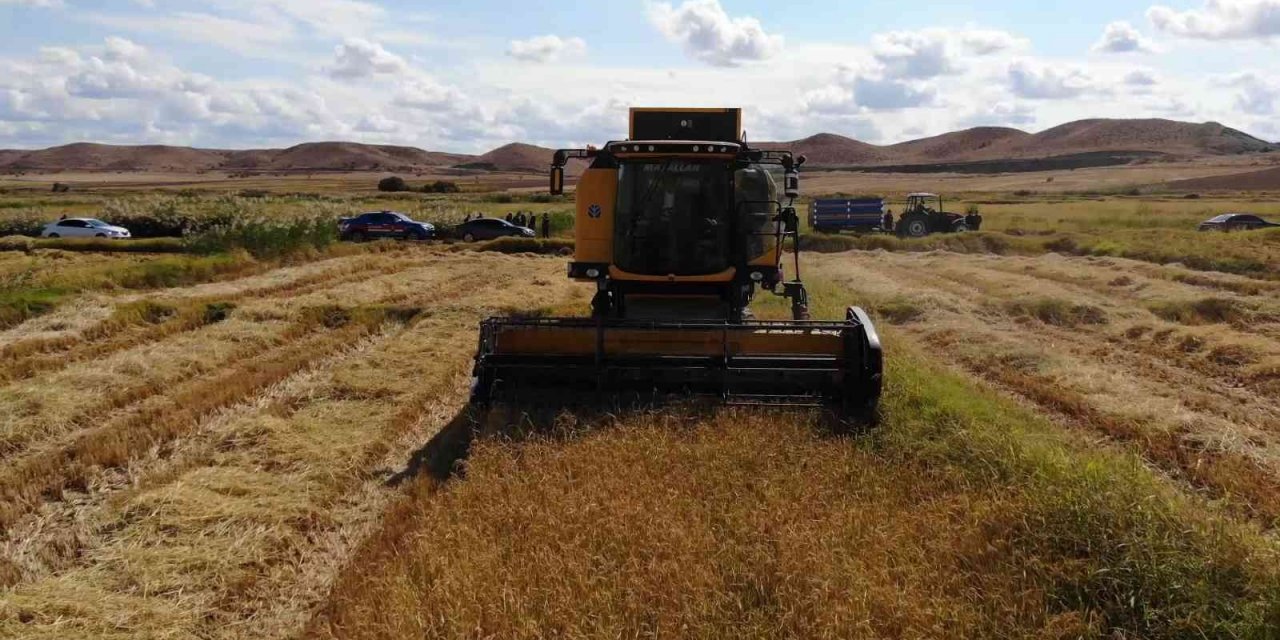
(914, 226)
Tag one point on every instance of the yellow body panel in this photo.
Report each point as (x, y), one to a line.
(593, 235)
(723, 276)
(741, 341)
(770, 256)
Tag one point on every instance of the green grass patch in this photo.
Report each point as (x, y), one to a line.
(1059, 313)
(1110, 544)
(979, 242)
(96, 245)
(1202, 311)
(20, 305)
(173, 271)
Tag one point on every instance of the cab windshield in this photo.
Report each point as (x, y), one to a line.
(673, 217)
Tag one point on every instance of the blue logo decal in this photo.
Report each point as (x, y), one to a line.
(594, 211)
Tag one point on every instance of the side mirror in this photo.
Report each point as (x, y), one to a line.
(791, 184)
(557, 181)
(791, 176)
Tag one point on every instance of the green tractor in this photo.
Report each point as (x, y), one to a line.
(924, 215)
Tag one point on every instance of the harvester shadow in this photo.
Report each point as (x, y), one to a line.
(441, 457)
(444, 456)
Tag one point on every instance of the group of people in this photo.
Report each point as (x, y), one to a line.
(522, 219)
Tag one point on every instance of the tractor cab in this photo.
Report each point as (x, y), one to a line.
(926, 203)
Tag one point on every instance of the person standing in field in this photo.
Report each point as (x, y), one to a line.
(546, 225)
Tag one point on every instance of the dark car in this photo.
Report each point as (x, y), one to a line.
(1235, 222)
(384, 224)
(488, 229)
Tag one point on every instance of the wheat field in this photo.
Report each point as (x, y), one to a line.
(237, 446)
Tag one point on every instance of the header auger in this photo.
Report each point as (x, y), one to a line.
(678, 227)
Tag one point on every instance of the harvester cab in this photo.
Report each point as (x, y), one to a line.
(678, 227)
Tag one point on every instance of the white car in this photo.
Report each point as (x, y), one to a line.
(83, 228)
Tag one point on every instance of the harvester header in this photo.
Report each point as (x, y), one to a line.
(678, 228)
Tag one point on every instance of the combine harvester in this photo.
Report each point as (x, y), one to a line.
(678, 227)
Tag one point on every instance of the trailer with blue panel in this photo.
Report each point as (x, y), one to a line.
(861, 215)
(922, 215)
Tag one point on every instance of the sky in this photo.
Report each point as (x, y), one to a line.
(470, 75)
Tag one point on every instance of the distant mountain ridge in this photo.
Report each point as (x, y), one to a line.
(980, 144)
(1168, 137)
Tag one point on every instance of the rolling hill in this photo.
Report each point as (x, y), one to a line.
(830, 149)
(1107, 141)
(1104, 138)
(970, 144)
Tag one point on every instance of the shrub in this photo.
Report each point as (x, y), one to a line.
(392, 184)
(264, 238)
(441, 186)
(59, 187)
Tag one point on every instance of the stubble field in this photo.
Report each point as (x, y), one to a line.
(236, 445)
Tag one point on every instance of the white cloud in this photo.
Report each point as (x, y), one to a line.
(910, 54)
(986, 42)
(891, 94)
(1122, 37)
(928, 53)
(1257, 95)
(338, 18)
(1000, 114)
(245, 37)
(1220, 20)
(42, 4)
(1043, 82)
(1141, 78)
(426, 94)
(356, 59)
(376, 123)
(549, 48)
(709, 34)
(122, 49)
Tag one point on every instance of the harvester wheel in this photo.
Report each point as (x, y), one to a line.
(914, 226)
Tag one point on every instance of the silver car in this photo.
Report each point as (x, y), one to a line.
(83, 228)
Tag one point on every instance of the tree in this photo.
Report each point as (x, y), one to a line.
(441, 186)
(393, 183)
